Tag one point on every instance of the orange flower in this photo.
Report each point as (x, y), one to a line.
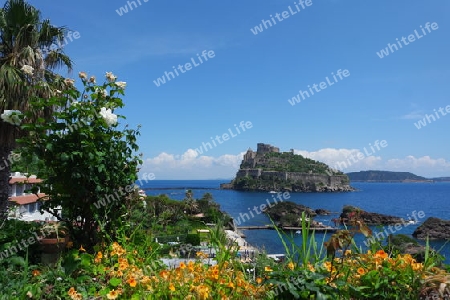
(182, 265)
(381, 254)
(361, 271)
(36, 273)
(71, 291)
(259, 280)
(132, 282)
(82, 249)
(164, 274)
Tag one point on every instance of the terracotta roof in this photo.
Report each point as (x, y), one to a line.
(26, 199)
(24, 180)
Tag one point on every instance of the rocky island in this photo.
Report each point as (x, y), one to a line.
(289, 214)
(268, 169)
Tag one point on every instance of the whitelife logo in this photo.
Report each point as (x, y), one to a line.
(225, 137)
(187, 67)
(323, 85)
(411, 38)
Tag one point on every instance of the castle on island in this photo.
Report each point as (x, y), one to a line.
(269, 169)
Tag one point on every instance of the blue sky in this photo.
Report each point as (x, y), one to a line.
(251, 77)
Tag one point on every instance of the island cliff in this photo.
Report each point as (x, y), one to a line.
(268, 169)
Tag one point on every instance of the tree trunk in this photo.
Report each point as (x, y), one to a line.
(5, 176)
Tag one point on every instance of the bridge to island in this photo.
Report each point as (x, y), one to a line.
(315, 229)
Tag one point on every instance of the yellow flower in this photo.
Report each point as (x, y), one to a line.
(291, 265)
(182, 265)
(172, 287)
(112, 294)
(82, 249)
(69, 245)
(268, 269)
(259, 280)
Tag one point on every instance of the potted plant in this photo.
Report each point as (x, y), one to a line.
(54, 239)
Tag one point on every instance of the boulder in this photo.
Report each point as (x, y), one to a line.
(434, 228)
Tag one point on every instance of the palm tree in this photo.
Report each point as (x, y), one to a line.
(25, 41)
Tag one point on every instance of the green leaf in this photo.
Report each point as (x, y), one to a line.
(114, 281)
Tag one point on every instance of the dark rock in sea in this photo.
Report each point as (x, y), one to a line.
(434, 228)
(406, 245)
(369, 218)
(289, 214)
(322, 212)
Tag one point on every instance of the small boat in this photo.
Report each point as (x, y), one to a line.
(298, 232)
(272, 192)
(142, 193)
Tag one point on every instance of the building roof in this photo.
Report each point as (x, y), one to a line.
(24, 180)
(26, 199)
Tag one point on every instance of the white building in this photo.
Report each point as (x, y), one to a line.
(25, 206)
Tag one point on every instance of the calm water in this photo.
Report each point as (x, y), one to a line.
(398, 199)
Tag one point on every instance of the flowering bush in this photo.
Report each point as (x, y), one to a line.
(12, 117)
(89, 164)
(121, 273)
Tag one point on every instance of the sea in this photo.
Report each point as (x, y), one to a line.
(410, 201)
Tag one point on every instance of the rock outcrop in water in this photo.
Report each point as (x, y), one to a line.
(289, 214)
(369, 218)
(268, 169)
(434, 228)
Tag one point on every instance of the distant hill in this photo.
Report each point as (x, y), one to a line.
(385, 176)
(441, 179)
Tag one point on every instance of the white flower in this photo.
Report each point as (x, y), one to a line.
(121, 84)
(11, 117)
(108, 116)
(82, 75)
(69, 81)
(110, 76)
(27, 69)
(103, 91)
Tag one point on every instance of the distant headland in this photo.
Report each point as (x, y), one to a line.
(268, 169)
(388, 176)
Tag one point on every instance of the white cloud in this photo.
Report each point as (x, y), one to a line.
(341, 159)
(346, 160)
(191, 165)
(414, 115)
